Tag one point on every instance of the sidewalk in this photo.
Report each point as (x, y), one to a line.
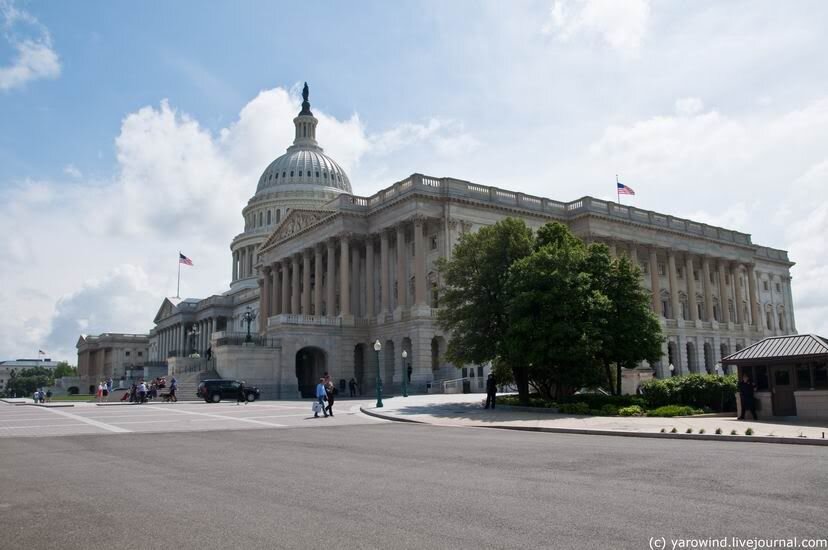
(467, 410)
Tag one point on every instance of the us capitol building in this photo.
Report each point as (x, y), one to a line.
(327, 273)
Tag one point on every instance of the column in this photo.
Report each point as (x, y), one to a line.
(673, 278)
(724, 310)
(655, 282)
(266, 297)
(306, 282)
(317, 280)
(369, 276)
(737, 281)
(689, 268)
(244, 263)
(276, 293)
(294, 294)
(419, 263)
(330, 282)
(753, 297)
(613, 251)
(385, 290)
(708, 291)
(355, 294)
(401, 278)
(235, 265)
(344, 276)
(285, 286)
(634, 256)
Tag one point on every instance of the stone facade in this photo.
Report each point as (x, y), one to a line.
(110, 355)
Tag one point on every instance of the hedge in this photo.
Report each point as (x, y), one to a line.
(694, 390)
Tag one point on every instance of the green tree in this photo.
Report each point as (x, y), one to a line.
(630, 333)
(473, 301)
(65, 369)
(556, 312)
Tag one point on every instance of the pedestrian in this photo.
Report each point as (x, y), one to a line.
(242, 395)
(330, 393)
(105, 393)
(48, 396)
(321, 396)
(746, 390)
(109, 385)
(142, 392)
(99, 392)
(491, 391)
(173, 388)
(209, 353)
(36, 396)
(352, 386)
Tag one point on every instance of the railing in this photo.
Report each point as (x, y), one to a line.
(299, 319)
(240, 338)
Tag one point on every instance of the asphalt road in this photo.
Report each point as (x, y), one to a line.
(400, 486)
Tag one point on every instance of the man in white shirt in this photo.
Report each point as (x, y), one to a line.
(321, 396)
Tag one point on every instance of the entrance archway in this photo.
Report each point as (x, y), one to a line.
(310, 365)
(692, 365)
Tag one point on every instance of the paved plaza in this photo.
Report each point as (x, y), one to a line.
(89, 418)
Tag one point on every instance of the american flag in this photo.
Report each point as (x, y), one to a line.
(624, 190)
(182, 259)
(41, 352)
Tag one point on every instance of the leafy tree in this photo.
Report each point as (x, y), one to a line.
(630, 332)
(473, 302)
(65, 369)
(556, 313)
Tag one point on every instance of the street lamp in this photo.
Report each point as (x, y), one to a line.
(193, 332)
(377, 348)
(405, 373)
(248, 316)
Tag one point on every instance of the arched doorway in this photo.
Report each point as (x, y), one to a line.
(359, 367)
(725, 349)
(672, 359)
(708, 357)
(407, 368)
(310, 365)
(388, 361)
(692, 365)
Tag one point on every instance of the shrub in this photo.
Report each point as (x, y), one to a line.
(674, 431)
(689, 431)
(734, 432)
(672, 410)
(749, 431)
(701, 431)
(598, 401)
(718, 431)
(697, 390)
(73, 390)
(575, 408)
(608, 410)
(663, 430)
(632, 410)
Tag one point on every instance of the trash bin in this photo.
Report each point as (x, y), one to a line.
(466, 386)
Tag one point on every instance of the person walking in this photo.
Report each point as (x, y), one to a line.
(99, 392)
(242, 396)
(352, 387)
(330, 393)
(746, 396)
(321, 396)
(173, 388)
(491, 391)
(142, 392)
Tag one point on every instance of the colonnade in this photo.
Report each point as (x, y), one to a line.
(326, 278)
(244, 262)
(708, 288)
(177, 338)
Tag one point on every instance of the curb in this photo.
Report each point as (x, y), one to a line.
(649, 435)
(49, 406)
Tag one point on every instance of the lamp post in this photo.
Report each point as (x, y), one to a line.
(377, 348)
(248, 317)
(405, 373)
(192, 333)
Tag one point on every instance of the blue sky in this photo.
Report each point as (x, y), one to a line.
(132, 129)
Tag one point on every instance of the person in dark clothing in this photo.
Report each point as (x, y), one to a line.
(330, 390)
(352, 387)
(209, 353)
(746, 390)
(491, 391)
(242, 394)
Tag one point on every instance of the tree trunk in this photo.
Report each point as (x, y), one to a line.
(610, 383)
(522, 382)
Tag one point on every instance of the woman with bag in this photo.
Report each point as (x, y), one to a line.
(321, 396)
(330, 393)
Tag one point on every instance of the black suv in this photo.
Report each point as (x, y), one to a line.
(213, 391)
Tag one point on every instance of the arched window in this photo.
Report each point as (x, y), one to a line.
(268, 217)
(278, 215)
(260, 219)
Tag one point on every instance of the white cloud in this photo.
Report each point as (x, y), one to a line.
(34, 56)
(99, 256)
(622, 25)
(689, 106)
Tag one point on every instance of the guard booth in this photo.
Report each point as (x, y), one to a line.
(790, 373)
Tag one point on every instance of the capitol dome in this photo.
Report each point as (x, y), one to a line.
(305, 164)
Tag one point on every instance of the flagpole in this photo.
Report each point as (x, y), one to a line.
(617, 190)
(178, 285)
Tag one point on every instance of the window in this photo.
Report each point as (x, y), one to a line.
(645, 269)
(126, 353)
(684, 311)
(803, 376)
(712, 277)
(778, 287)
(435, 296)
(277, 175)
(317, 174)
(782, 378)
(283, 173)
(716, 312)
(762, 377)
(278, 215)
(480, 371)
(765, 285)
(291, 173)
(434, 242)
(140, 354)
(727, 278)
(665, 309)
(821, 376)
(699, 311)
(260, 219)
(768, 320)
(465, 372)
(680, 273)
(269, 220)
(696, 275)
(661, 269)
(781, 322)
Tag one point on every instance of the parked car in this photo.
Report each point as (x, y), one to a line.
(213, 391)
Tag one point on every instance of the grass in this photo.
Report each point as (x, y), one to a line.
(80, 397)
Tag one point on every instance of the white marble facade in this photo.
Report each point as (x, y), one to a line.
(329, 273)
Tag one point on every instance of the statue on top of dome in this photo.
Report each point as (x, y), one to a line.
(305, 104)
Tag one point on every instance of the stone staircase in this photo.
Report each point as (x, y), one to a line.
(188, 384)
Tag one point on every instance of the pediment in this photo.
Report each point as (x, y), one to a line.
(167, 308)
(295, 222)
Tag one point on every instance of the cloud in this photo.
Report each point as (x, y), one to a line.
(621, 25)
(34, 56)
(104, 253)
